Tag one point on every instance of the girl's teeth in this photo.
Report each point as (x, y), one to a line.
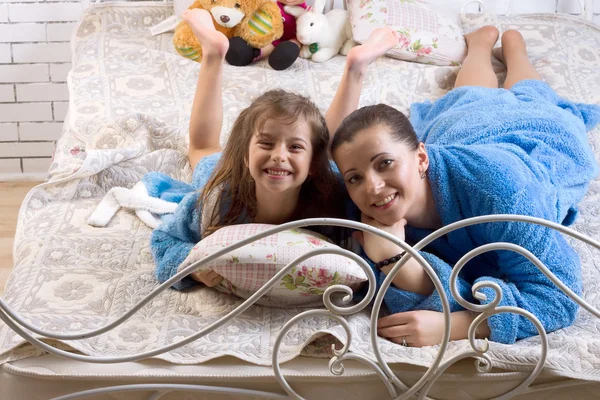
(386, 200)
(278, 173)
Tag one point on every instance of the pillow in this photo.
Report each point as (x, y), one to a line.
(426, 36)
(248, 268)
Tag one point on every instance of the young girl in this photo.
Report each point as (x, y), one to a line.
(274, 168)
(478, 150)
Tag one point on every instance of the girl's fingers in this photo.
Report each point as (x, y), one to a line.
(216, 280)
(208, 277)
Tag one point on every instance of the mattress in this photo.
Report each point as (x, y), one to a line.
(130, 100)
(49, 376)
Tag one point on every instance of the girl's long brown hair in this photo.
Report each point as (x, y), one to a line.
(320, 195)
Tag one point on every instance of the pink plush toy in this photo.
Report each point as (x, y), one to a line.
(282, 52)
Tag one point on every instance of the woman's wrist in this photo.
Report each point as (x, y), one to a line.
(411, 277)
(462, 320)
(389, 261)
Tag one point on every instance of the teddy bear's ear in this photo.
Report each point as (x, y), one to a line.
(319, 6)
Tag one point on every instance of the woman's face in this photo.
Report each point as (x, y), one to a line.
(383, 176)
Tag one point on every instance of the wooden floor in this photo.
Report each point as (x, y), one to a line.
(11, 197)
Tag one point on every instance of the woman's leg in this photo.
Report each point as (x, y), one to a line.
(513, 54)
(476, 69)
(206, 119)
(357, 61)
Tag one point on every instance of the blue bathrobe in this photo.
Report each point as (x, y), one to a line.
(491, 151)
(494, 151)
(178, 233)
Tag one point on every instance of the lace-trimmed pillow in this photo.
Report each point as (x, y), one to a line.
(248, 268)
(426, 36)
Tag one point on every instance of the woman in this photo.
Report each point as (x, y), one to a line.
(478, 150)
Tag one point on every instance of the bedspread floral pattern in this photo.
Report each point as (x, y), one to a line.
(72, 277)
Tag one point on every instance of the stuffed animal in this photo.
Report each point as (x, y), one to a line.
(257, 23)
(322, 35)
(185, 41)
(283, 52)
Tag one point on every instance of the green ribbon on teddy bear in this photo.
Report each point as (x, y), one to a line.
(313, 48)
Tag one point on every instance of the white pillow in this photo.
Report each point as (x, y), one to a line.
(248, 268)
(427, 36)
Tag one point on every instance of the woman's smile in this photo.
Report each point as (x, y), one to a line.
(386, 203)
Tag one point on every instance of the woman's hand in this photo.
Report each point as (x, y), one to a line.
(426, 328)
(413, 328)
(376, 247)
(209, 277)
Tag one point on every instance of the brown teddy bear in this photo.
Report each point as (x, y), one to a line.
(250, 25)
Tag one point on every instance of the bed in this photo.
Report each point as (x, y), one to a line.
(130, 99)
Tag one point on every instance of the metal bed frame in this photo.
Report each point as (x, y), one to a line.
(395, 387)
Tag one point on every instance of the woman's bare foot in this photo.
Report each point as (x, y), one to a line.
(213, 42)
(377, 44)
(486, 36)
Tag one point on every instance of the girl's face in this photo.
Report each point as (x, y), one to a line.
(280, 156)
(383, 176)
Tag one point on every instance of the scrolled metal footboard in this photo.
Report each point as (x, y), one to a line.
(395, 387)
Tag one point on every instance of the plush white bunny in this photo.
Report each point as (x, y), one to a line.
(322, 35)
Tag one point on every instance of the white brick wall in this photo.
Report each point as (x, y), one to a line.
(7, 93)
(58, 72)
(9, 133)
(35, 59)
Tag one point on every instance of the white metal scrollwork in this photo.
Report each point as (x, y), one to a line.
(336, 312)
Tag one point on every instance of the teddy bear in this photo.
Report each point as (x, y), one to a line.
(253, 23)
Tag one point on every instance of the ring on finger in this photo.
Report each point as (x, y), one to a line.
(404, 341)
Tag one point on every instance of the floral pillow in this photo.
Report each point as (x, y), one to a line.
(248, 268)
(426, 35)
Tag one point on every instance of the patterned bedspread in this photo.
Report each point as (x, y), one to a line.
(130, 100)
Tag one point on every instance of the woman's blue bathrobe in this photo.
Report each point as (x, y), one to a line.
(494, 151)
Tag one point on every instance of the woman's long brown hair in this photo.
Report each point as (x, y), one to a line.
(321, 194)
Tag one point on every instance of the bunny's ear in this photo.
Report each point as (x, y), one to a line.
(319, 6)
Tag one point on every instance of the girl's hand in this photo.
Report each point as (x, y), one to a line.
(376, 247)
(209, 277)
(413, 328)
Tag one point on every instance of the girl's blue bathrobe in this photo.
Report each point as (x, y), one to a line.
(494, 151)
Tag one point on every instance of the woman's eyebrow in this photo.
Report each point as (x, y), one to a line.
(351, 169)
(377, 155)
